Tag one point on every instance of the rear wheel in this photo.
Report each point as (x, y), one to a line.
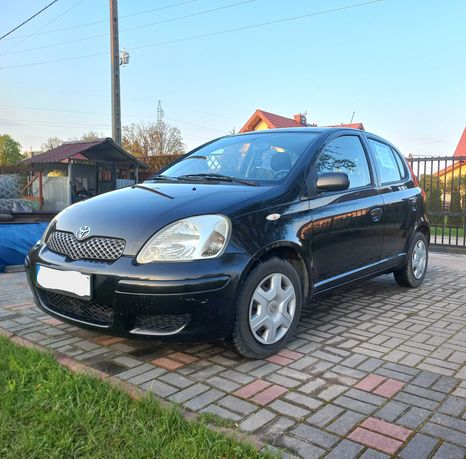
(412, 274)
(268, 309)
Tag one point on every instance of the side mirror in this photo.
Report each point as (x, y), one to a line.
(333, 181)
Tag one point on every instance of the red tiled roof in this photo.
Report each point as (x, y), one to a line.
(272, 121)
(359, 126)
(65, 151)
(461, 147)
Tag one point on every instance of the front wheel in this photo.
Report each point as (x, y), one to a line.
(268, 309)
(412, 274)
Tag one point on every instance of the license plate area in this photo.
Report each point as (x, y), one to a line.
(72, 283)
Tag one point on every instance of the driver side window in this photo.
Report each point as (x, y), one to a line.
(345, 154)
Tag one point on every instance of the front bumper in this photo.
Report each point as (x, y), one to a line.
(190, 301)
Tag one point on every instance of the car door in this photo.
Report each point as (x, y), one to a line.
(346, 227)
(400, 196)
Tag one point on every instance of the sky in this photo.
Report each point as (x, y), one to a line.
(398, 64)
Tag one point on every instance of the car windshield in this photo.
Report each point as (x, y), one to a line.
(251, 159)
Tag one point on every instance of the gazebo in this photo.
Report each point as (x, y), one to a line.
(78, 170)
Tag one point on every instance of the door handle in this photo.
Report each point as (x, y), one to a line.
(376, 213)
(413, 202)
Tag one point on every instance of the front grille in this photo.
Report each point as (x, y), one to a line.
(161, 324)
(93, 248)
(86, 311)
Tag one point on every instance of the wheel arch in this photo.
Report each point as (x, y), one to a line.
(289, 251)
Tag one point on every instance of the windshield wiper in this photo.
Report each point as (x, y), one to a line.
(217, 177)
(162, 177)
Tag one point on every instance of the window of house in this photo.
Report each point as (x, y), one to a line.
(345, 154)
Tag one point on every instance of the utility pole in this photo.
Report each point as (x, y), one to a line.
(115, 61)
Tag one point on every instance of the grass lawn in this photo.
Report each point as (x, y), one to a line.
(48, 412)
(446, 232)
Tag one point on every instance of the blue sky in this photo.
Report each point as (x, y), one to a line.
(399, 64)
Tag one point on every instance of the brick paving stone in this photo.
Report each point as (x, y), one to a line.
(365, 397)
(251, 389)
(223, 384)
(135, 371)
(278, 427)
(257, 420)
(326, 414)
(238, 377)
(303, 400)
(269, 394)
(373, 454)
(293, 355)
(426, 393)
(288, 409)
(222, 412)
(449, 451)
(452, 436)
(188, 393)
(206, 398)
(445, 384)
(375, 440)
(159, 388)
(264, 370)
(282, 380)
(419, 446)
(414, 417)
(140, 378)
(316, 436)
(176, 380)
(345, 450)
(279, 359)
(391, 411)
(356, 405)
(370, 382)
(303, 448)
(386, 428)
(453, 406)
(166, 363)
(312, 385)
(425, 379)
(182, 357)
(389, 388)
(331, 392)
(346, 422)
(238, 405)
(416, 401)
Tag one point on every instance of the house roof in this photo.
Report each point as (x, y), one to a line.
(99, 149)
(274, 121)
(359, 126)
(270, 119)
(461, 147)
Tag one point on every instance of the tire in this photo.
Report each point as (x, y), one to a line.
(406, 276)
(276, 317)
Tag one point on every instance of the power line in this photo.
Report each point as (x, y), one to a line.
(211, 34)
(77, 26)
(43, 27)
(29, 19)
(143, 26)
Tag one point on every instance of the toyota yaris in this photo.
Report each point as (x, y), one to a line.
(230, 241)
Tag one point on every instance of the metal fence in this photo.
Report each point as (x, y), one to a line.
(444, 181)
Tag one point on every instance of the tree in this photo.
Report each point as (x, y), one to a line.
(10, 151)
(51, 143)
(152, 139)
(434, 205)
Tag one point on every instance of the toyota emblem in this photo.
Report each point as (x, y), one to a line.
(83, 232)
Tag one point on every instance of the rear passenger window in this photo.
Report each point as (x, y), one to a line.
(345, 154)
(386, 161)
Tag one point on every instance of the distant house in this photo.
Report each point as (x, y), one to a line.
(261, 119)
(78, 170)
(457, 168)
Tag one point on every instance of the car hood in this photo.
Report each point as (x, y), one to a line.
(136, 213)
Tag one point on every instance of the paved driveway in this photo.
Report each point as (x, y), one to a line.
(375, 370)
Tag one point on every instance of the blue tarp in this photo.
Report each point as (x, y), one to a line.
(16, 240)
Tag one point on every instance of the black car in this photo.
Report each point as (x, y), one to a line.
(231, 240)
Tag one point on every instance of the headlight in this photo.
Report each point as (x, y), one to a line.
(193, 238)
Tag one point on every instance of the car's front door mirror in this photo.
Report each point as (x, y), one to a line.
(333, 181)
